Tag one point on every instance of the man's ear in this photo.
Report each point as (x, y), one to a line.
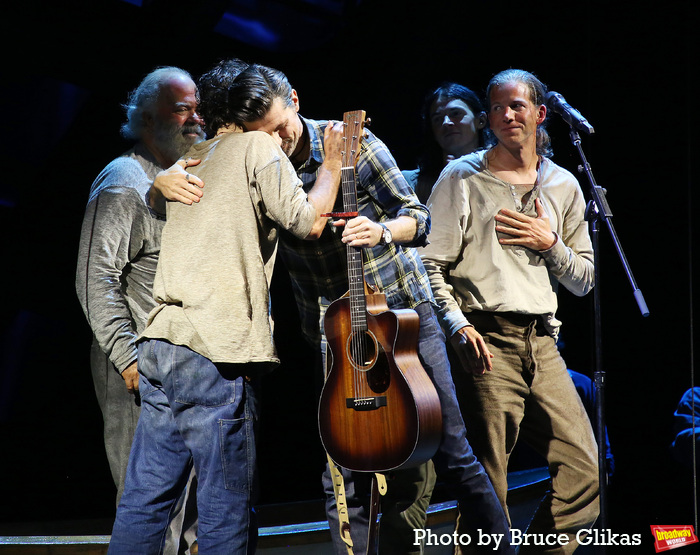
(147, 120)
(541, 114)
(481, 120)
(295, 100)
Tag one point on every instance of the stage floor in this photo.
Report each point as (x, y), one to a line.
(288, 529)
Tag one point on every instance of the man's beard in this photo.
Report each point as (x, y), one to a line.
(173, 141)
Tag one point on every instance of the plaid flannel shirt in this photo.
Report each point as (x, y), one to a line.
(318, 269)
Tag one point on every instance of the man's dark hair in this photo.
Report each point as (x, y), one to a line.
(234, 92)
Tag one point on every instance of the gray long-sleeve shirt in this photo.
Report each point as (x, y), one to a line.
(118, 254)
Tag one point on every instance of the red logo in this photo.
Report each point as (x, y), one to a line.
(670, 537)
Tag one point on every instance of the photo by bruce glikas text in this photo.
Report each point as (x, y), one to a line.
(518, 538)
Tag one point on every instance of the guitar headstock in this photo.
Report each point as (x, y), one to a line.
(354, 125)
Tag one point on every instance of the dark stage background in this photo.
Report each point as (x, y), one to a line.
(67, 66)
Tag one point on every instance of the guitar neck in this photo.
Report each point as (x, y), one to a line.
(356, 275)
(353, 131)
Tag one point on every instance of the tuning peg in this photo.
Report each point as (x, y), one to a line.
(368, 122)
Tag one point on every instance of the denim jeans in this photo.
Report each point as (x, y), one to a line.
(193, 412)
(455, 463)
(120, 412)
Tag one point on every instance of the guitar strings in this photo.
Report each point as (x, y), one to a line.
(356, 309)
(355, 271)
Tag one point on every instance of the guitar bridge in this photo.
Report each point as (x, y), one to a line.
(365, 403)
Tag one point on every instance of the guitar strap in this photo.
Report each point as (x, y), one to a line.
(379, 488)
(341, 504)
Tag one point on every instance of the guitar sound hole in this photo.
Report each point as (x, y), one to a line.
(362, 350)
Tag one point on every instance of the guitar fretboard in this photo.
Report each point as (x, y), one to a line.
(358, 318)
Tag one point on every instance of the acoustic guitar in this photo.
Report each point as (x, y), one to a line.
(379, 410)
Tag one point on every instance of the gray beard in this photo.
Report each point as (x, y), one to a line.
(171, 140)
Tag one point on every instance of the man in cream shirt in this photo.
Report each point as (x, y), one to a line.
(508, 227)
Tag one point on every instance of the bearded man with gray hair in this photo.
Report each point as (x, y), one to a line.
(119, 249)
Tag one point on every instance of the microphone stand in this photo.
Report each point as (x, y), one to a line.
(597, 210)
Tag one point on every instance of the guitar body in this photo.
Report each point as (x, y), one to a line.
(379, 410)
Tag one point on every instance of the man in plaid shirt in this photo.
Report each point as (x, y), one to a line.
(391, 221)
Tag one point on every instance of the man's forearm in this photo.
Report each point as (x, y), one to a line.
(403, 229)
(323, 194)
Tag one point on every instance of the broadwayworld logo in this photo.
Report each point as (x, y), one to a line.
(670, 537)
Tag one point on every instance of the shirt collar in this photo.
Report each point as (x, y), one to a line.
(316, 152)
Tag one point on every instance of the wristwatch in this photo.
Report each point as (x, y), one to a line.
(386, 238)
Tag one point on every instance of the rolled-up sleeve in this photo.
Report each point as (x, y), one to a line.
(380, 177)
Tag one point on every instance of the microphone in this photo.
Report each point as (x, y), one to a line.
(573, 117)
